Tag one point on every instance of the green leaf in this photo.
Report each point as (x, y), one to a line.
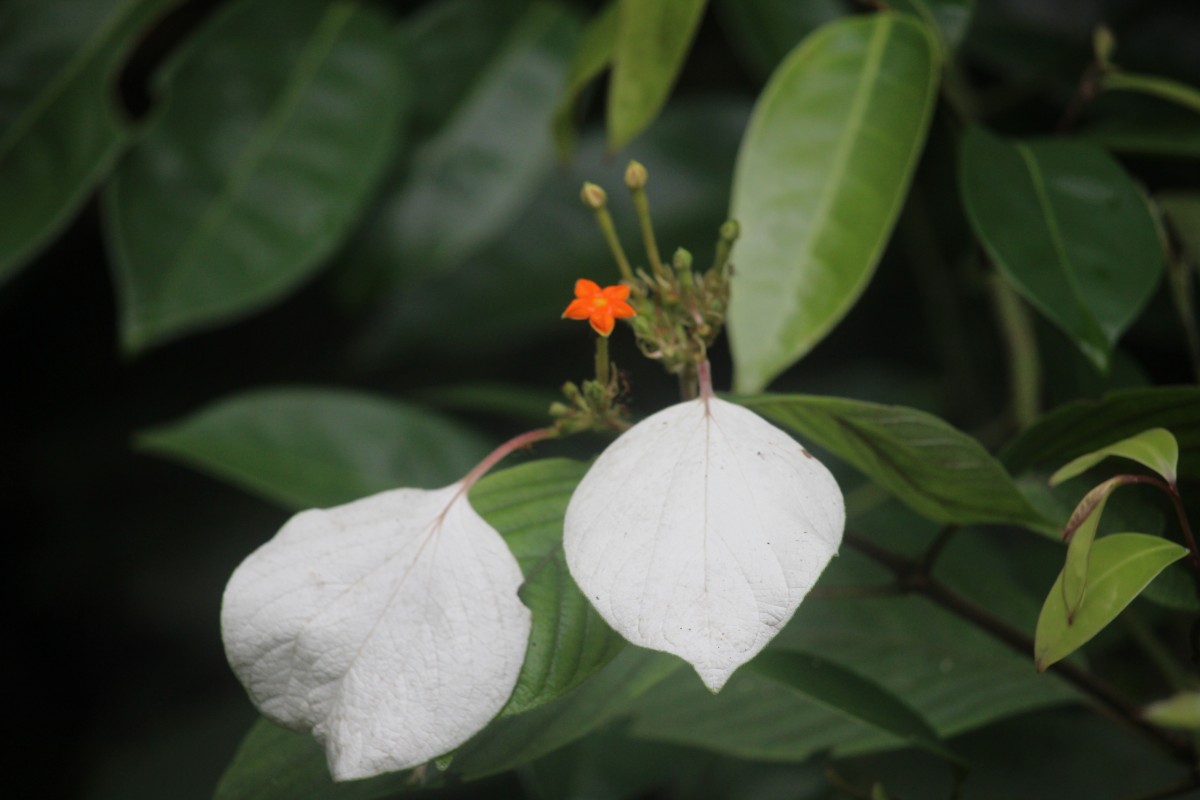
(1155, 449)
(1175, 588)
(1068, 228)
(1146, 126)
(569, 640)
(306, 448)
(938, 471)
(1172, 91)
(1178, 711)
(1085, 425)
(273, 763)
(592, 57)
(763, 32)
(59, 129)
(1120, 567)
(820, 178)
(1081, 533)
(470, 180)
(1183, 213)
(512, 741)
(950, 18)
(281, 118)
(652, 40)
(852, 696)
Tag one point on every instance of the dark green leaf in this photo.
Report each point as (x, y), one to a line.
(1146, 127)
(593, 56)
(569, 640)
(501, 399)
(1155, 449)
(1068, 228)
(59, 129)
(281, 118)
(652, 41)
(1156, 86)
(1120, 567)
(308, 448)
(1082, 426)
(949, 18)
(850, 695)
(1176, 588)
(940, 472)
(764, 31)
(821, 175)
(1183, 213)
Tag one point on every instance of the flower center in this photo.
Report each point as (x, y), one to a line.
(599, 302)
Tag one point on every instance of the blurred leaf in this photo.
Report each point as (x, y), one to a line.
(306, 448)
(609, 765)
(763, 32)
(59, 129)
(852, 696)
(281, 118)
(950, 18)
(569, 641)
(1164, 88)
(474, 175)
(1082, 426)
(1178, 711)
(1183, 213)
(1143, 126)
(592, 57)
(512, 741)
(652, 41)
(1068, 228)
(501, 399)
(1176, 588)
(1121, 566)
(821, 175)
(938, 471)
(1154, 449)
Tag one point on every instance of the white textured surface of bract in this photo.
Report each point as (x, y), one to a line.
(699, 531)
(388, 627)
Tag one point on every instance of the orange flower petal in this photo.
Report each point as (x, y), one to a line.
(622, 310)
(616, 293)
(585, 288)
(602, 321)
(578, 309)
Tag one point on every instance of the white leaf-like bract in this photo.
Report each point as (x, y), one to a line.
(699, 531)
(388, 627)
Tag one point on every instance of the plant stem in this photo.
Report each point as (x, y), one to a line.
(605, 221)
(704, 379)
(602, 368)
(641, 204)
(1024, 365)
(1109, 700)
(497, 455)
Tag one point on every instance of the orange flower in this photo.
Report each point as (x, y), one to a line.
(601, 307)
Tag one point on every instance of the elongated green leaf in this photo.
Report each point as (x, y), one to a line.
(652, 40)
(1154, 449)
(569, 640)
(938, 471)
(282, 117)
(852, 696)
(764, 31)
(308, 448)
(1068, 228)
(820, 178)
(1121, 566)
(471, 178)
(1178, 711)
(1083, 426)
(1081, 533)
(592, 57)
(1172, 91)
(59, 130)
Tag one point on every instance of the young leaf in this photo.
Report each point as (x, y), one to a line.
(699, 531)
(591, 58)
(1084, 425)
(1068, 228)
(652, 40)
(820, 178)
(1120, 567)
(389, 627)
(1155, 449)
(59, 129)
(940, 472)
(310, 448)
(1179, 711)
(1081, 533)
(282, 116)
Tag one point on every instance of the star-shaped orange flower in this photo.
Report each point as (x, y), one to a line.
(601, 307)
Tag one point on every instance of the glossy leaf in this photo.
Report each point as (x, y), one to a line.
(935, 469)
(1178, 711)
(60, 130)
(852, 696)
(763, 32)
(1082, 426)
(1068, 228)
(700, 530)
(282, 118)
(820, 178)
(1120, 567)
(652, 41)
(569, 640)
(471, 178)
(310, 448)
(592, 57)
(1155, 449)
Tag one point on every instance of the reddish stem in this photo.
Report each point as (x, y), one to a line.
(1173, 492)
(497, 455)
(704, 378)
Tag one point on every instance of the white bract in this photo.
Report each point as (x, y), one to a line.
(389, 627)
(699, 531)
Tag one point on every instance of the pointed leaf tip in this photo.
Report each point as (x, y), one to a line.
(388, 627)
(699, 531)
(1156, 449)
